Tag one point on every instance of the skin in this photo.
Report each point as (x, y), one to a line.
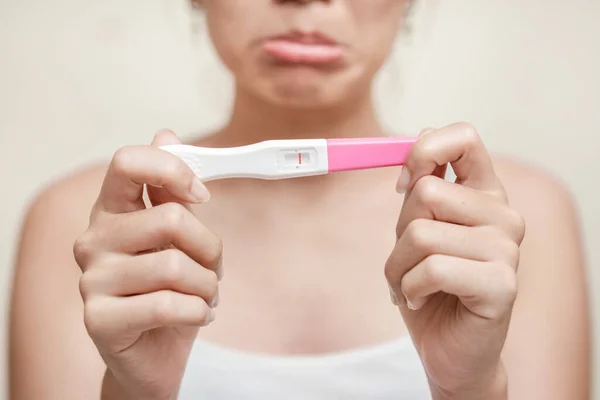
(492, 295)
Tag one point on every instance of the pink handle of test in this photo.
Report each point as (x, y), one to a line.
(365, 153)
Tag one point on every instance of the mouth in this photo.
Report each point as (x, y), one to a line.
(303, 48)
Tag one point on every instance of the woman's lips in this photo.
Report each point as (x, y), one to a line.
(303, 49)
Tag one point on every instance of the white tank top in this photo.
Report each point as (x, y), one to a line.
(389, 371)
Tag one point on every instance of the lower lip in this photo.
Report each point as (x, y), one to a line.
(294, 52)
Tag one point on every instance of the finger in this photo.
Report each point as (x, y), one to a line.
(134, 166)
(108, 318)
(487, 289)
(459, 145)
(436, 199)
(404, 178)
(158, 195)
(160, 227)
(423, 238)
(152, 272)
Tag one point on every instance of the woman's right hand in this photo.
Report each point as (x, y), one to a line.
(150, 275)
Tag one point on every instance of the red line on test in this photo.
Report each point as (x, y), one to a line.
(299, 158)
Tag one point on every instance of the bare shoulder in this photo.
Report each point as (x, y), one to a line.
(552, 251)
(533, 190)
(57, 214)
(70, 195)
(551, 321)
(46, 311)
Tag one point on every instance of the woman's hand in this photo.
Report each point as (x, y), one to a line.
(453, 269)
(150, 275)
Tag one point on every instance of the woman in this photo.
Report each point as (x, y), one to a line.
(116, 298)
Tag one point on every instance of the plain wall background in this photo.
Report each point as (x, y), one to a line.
(79, 79)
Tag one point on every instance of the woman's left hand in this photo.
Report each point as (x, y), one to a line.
(453, 269)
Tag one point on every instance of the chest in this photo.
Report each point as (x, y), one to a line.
(306, 283)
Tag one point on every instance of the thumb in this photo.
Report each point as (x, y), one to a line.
(404, 179)
(158, 195)
(165, 137)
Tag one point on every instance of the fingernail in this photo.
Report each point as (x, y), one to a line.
(210, 316)
(220, 270)
(199, 191)
(403, 180)
(393, 298)
(215, 301)
(416, 304)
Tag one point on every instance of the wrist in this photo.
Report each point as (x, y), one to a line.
(112, 389)
(494, 388)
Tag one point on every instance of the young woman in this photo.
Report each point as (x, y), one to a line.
(330, 287)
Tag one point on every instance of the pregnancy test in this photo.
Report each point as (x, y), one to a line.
(283, 159)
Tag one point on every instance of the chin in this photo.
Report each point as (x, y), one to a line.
(306, 88)
(301, 96)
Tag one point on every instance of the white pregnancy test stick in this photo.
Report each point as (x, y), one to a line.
(282, 159)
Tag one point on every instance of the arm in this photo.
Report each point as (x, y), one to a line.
(51, 354)
(547, 353)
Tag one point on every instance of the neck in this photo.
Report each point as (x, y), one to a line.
(254, 120)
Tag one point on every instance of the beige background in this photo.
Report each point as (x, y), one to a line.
(79, 79)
